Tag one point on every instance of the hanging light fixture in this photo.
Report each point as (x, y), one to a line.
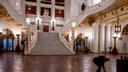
(117, 27)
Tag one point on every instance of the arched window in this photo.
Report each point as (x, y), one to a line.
(125, 30)
(93, 2)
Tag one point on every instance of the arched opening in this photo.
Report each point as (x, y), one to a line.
(125, 39)
(80, 43)
(7, 40)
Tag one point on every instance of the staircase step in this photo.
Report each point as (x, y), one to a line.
(49, 44)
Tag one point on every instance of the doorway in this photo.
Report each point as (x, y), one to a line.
(80, 43)
(45, 28)
(6, 40)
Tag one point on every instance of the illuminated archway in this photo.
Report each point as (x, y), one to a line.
(7, 39)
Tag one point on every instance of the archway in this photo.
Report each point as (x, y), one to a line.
(80, 43)
(125, 39)
(7, 40)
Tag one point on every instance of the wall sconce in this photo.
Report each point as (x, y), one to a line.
(114, 50)
(73, 36)
(117, 27)
(53, 21)
(73, 24)
(28, 21)
(18, 45)
(38, 21)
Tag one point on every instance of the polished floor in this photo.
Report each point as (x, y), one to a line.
(16, 62)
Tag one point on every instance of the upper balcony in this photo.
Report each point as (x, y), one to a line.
(80, 10)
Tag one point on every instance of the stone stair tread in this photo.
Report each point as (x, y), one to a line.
(49, 44)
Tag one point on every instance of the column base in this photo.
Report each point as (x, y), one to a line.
(114, 51)
(17, 49)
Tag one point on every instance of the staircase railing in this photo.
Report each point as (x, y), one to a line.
(65, 42)
(12, 12)
(32, 39)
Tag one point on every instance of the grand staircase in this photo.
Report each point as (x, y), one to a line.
(49, 44)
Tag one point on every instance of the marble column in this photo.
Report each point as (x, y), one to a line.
(109, 38)
(38, 13)
(67, 9)
(53, 21)
(105, 39)
(99, 38)
(53, 9)
(23, 7)
(95, 37)
(38, 8)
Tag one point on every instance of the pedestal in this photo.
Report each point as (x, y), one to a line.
(53, 28)
(86, 47)
(38, 26)
(114, 50)
(17, 46)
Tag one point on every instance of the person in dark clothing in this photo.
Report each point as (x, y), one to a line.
(99, 61)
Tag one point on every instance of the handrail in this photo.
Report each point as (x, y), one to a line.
(19, 18)
(66, 43)
(34, 39)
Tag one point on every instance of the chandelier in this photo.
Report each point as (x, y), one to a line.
(117, 27)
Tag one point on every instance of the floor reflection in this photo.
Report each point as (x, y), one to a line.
(15, 62)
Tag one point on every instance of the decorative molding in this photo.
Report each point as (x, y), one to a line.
(118, 10)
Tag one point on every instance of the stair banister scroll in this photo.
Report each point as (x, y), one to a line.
(65, 42)
(32, 39)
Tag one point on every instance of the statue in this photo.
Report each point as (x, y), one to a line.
(46, 12)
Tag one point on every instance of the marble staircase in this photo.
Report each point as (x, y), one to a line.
(49, 44)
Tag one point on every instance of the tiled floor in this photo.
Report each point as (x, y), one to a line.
(14, 62)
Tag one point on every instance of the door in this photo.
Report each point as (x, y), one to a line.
(45, 28)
